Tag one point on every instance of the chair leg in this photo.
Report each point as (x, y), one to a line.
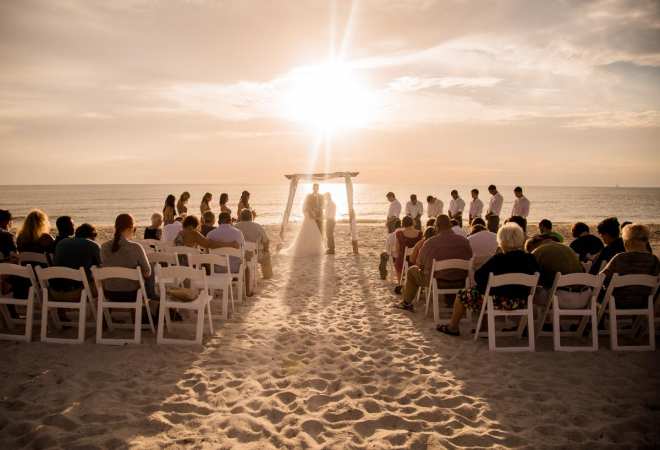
(138, 322)
(594, 328)
(99, 323)
(44, 320)
(82, 322)
(556, 329)
(651, 329)
(210, 318)
(147, 306)
(226, 293)
(530, 327)
(613, 330)
(436, 309)
(491, 325)
(480, 320)
(199, 332)
(29, 319)
(162, 310)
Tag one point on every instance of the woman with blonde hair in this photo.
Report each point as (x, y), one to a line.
(205, 205)
(34, 235)
(181, 205)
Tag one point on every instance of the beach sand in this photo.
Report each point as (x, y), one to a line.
(319, 359)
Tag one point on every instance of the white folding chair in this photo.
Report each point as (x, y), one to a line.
(104, 306)
(183, 253)
(619, 281)
(217, 280)
(177, 276)
(433, 292)
(33, 258)
(407, 251)
(526, 314)
(25, 272)
(150, 245)
(238, 278)
(593, 284)
(84, 297)
(253, 263)
(164, 258)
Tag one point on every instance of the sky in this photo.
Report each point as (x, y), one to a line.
(469, 92)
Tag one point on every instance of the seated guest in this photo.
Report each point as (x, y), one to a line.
(635, 260)
(254, 232)
(429, 232)
(65, 228)
(482, 242)
(34, 235)
(406, 237)
(456, 228)
(521, 221)
(586, 245)
(444, 245)
(609, 233)
(190, 236)
(121, 251)
(7, 240)
(513, 259)
(229, 235)
(76, 252)
(648, 246)
(545, 227)
(172, 230)
(154, 230)
(208, 222)
(391, 247)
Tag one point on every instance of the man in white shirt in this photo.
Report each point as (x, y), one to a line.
(171, 230)
(330, 213)
(226, 232)
(393, 212)
(456, 207)
(415, 209)
(434, 208)
(254, 232)
(476, 206)
(483, 243)
(520, 204)
(494, 209)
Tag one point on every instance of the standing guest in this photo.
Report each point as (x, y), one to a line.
(482, 241)
(391, 249)
(172, 230)
(65, 228)
(435, 206)
(244, 203)
(182, 204)
(76, 252)
(226, 232)
(494, 209)
(224, 198)
(393, 212)
(444, 245)
(415, 209)
(512, 260)
(520, 221)
(7, 240)
(254, 232)
(476, 206)
(406, 237)
(34, 235)
(520, 204)
(456, 207)
(189, 236)
(545, 228)
(205, 205)
(208, 222)
(330, 214)
(169, 211)
(586, 245)
(635, 260)
(609, 232)
(154, 231)
(121, 251)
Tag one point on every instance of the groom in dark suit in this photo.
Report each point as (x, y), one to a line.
(314, 205)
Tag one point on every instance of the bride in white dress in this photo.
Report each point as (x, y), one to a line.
(309, 241)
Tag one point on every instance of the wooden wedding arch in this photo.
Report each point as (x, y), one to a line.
(348, 178)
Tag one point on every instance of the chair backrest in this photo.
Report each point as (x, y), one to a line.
(33, 258)
(44, 274)
(229, 251)
(149, 244)
(459, 264)
(17, 270)
(579, 279)
(178, 274)
(162, 258)
(650, 281)
(513, 279)
(184, 250)
(106, 273)
(197, 261)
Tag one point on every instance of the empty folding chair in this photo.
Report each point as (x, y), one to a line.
(218, 277)
(433, 291)
(24, 273)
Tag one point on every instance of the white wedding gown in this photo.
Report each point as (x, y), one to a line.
(309, 241)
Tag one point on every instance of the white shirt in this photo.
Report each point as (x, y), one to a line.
(330, 210)
(458, 230)
(395, 209)
(495, 204)
(520, 207)
(435, 208)
(171, 231)
(414, 210)
(484, 246)
(476, 208)
(456, 205)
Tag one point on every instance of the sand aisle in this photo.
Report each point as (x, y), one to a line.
(320, 359)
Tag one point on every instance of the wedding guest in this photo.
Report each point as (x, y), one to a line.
(65, 228)
(456, 207)
(513, 259)
(182, 204)
(636, 259)
(545, 228)
(476, 206)
(391, 249)
(169, 211)
(552, 258)
(429, 232)
(624, 224)
(227, 233)
(189, 236)
(494, 209)
(393, 212)
(244, 203)
(154, 231)
(520, 204)
(415, 209)
(435, 206)
(444, 245)
(585, 244)
(208, 222)
(172, 230)
(205, 205)
(34, 235)
(254, 232)
(76, 252)
(520, 221)
(406, 237)
(482, 242)
(8, 250)
(224, 199)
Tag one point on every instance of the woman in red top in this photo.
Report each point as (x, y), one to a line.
(407, 236)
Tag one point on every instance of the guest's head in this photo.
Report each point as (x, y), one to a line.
(190, 222)
(579, 229)
(245, 197)
(390, 196)
(430, 199)
(185, 196)
(545, 226)
(393, 225)
(474, 193)
(478, 221)
(209, 218)
(510, 237)
(413, 198)
(179, 218)
(156, 220)
(454, 193)
(429, 232)
(86, 231)
(5, 219)
(170, 202)
(245, 215)
(224, 198)
(454, 223)
(536, 241)
(521, 221)
(407, 222)
(623, 225)
(34, 226)
(442, 223)
(430, 222)
(492, 189)
(124, 227)
(609, 230)
(477, 228)
(224, 218)
(65, 227)
(207, 197)
(636, 237)
(517, 191)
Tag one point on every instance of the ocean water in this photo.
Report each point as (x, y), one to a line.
(99, 204)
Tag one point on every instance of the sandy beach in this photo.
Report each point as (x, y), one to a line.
(319, 359)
